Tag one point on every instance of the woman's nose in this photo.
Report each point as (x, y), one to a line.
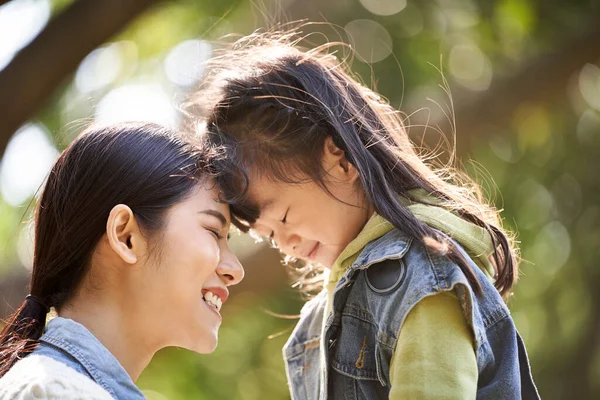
(230, 269)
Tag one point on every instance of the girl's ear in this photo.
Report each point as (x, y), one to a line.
(336, 163)
(124, 235)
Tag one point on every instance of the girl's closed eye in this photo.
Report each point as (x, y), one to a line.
(284, 219)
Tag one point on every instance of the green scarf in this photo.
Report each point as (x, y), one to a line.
(474, 239)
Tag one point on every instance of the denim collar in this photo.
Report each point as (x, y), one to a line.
(393, 244)
(101, 365)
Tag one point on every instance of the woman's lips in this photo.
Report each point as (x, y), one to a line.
(213, 310)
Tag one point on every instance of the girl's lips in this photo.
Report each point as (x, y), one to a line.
(313, 252)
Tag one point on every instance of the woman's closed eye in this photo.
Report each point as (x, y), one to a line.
(216, 233)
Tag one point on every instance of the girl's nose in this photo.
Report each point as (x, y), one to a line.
(288, 243)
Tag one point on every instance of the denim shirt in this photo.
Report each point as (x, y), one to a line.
(70, 343)
(349, 358)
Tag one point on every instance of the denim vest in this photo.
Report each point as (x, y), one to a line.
(361, 332)
(70, 343)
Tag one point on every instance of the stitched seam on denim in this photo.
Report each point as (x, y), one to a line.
(361, 315)
(478, 340)
(384, 344)
(299, 348)
(495, 316)
(63, 351)
(411, 300)
(288, 374)
(393, 256)
(479, 337)
(379, 368)
(440, 277)
(82, 360)
(347, 371)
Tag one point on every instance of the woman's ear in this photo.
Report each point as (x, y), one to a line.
(124, 235)
(336, 163)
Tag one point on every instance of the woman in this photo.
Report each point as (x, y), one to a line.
(131, 251)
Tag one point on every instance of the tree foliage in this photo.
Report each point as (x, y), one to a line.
(525, 82)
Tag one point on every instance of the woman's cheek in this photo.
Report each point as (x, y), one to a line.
(211, 253)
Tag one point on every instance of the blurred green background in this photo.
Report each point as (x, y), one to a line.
(525, 82)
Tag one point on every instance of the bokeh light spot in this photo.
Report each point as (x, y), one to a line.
(26, 162)
(384, 7)
(532, 123)
(25, 246)
(20, 22)
(536, 203)
(411, 21)
(185, 62)
(102, 66)
(370, 40)
(552, 247)
(470, 67)
(137, 102)
(589, 84)
(588, 127)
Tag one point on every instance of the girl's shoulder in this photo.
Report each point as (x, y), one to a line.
(41, 377)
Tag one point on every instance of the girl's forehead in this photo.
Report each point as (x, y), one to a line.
(263, 191)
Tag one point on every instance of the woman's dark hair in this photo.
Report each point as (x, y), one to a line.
(269, 106)
(145, 166)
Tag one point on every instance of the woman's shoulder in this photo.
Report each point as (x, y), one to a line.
(41, 377)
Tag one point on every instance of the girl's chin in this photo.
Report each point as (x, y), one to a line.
(328, 260)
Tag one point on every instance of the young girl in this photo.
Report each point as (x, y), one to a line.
(131, 251)
(412, 307)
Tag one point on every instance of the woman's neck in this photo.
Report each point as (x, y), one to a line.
(112, 324)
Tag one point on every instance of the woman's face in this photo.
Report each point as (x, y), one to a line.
(188, 273)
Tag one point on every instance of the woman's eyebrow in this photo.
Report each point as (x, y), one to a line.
(218, 215)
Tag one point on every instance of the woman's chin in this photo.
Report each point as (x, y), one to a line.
(204, 345)
(201, 339)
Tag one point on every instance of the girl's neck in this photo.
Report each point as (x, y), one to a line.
(111, 323)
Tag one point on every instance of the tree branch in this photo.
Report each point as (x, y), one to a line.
(37, 70)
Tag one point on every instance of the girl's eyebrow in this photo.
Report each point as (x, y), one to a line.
(218, 215)
(264, 205)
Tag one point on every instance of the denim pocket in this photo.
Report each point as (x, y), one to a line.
(356, 362)
(355, 353)
(302, 364)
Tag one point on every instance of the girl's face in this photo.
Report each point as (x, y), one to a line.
(304, 220)
(187, 275)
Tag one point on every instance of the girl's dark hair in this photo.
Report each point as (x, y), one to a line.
(145, 166)
(268, 106)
